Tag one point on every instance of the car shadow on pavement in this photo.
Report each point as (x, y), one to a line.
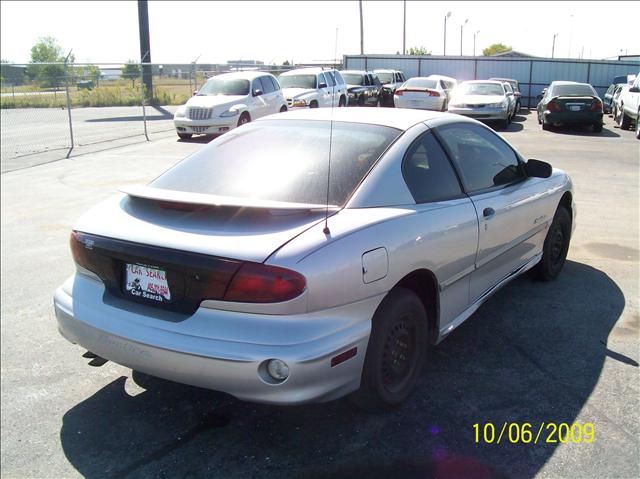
(533, 353)
(160, 113)
(579, 130)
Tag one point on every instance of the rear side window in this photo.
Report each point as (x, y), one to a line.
(339, 78)
(428, 173)
(321, 79)
(274, 82)
(267, 86)
(330, 81)
(483, 159)
(291, 163)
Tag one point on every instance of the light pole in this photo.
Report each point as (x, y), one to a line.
(553, 48)
(404, 29)
(461, 27)
(361, 31)
(445, 31)
(474, 42)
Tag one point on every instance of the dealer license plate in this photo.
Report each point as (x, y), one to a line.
(575, 107)
(147, 283)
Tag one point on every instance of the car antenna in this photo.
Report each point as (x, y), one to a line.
(326, 230)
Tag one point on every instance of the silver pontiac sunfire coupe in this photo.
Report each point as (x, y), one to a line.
(258, 267)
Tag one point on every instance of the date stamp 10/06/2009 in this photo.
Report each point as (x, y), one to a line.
(527, 433)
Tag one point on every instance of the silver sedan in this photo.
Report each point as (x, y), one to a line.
(312, 254)
(483, 100)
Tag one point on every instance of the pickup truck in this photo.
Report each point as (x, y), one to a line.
(629, 102)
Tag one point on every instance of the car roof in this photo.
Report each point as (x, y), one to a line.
(440, 77)
(308, 70)
(503, 79)
(385, 70)
(557, 82)
(245, 75)
(495, 82)
(355, 71)
(399, 118)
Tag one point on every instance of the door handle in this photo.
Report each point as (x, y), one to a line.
(488, 212)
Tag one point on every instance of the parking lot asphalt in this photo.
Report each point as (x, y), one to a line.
(559, 352)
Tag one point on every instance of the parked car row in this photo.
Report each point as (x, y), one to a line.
(229, 100)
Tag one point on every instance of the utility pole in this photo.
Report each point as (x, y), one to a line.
(145, 46)
(361, 31)
(404, 29)
(461, 27)
(553, 48)
(474, 42)
(445, 32)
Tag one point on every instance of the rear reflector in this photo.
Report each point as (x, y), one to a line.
(260, 283)
(399, 92)
(80, 247)
(342, 357)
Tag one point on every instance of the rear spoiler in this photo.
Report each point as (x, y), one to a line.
(186, 197)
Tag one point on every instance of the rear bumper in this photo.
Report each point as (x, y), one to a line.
(481, 113)
(429, 103)
(577, 118)
(221, 350)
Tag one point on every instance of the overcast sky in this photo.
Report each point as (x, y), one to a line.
(305, 31)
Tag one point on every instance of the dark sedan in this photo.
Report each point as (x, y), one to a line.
(570, 103)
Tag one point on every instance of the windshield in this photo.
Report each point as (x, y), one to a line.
(573, 90)
(297, 81)
(353, 78)
(222, 86)
(385, 77)
(479, 89)
(421, 83)
(283, 160)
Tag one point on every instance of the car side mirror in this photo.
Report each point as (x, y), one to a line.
(195, 93)
(634, 89)
(322, 85)
(538, 169)
(257, 92)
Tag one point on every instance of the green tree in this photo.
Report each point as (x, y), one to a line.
(495, 49)
(419, 51)
(131, 70)
(47, 50)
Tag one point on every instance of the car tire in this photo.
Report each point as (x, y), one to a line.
(625, 121)
(539, 120)
(313, 104)
(361, 100)
(504, 124)
(395, 355)
(244, 118)
(185, 136)
(545, 126)
(597, 127)
(283, 108)
(517, 108)
(555, 248)
(342, 101)
(638, 125)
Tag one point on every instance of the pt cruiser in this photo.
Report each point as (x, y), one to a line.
(313, 254)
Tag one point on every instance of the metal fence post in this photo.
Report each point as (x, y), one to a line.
(144, 110)
(66, 82)
(530, 78)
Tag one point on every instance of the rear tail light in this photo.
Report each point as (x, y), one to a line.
(553, 106)
(260, 283)
(399, 92)
(596, 106)
(432, 93)
(79, 245)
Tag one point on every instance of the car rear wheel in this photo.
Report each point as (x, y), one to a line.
(395, 354)
(555, 248)
(185, 136)
(545, 126)
(313, 104)
(638, 125)
(283, 108)
(244, 118)
(625, 121)
(342, 102)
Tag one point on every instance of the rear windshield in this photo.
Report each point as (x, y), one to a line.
(297, 81)
(283, 160)
(479, 89)
(421, 83)
(385, 77)
(221, 86)
(573, 90)
(353, 78)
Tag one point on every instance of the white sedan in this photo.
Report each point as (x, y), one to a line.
(229, 100)
(483, 100)
(423, 93)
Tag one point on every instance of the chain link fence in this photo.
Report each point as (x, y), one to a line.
(51, 111)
